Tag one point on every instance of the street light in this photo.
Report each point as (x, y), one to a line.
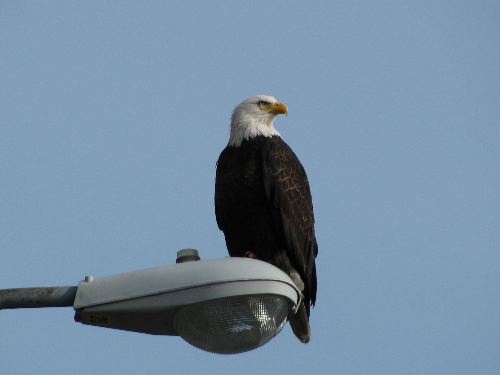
(227, 306)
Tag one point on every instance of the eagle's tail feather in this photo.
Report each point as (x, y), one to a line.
(300, 324)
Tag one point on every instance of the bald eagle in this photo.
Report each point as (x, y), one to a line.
(263, 201)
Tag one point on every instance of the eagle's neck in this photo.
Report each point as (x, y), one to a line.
(247, 127)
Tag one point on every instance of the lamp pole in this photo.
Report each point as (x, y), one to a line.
(56, 296)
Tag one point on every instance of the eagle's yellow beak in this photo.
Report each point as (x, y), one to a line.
(276, 108)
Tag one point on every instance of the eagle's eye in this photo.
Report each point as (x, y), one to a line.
(260, 103)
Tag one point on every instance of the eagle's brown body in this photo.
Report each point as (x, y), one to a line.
(263, 205)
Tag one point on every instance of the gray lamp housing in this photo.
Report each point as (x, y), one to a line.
(228, 305)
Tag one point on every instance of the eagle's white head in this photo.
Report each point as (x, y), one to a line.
(255, 116)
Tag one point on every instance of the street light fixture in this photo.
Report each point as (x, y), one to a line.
(227, 306)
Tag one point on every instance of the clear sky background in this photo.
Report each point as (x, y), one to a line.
(112, 117)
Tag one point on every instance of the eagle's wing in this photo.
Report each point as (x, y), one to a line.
(287, 188)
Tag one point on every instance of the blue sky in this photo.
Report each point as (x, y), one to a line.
(113, 115)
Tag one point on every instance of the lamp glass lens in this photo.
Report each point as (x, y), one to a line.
(232, 325)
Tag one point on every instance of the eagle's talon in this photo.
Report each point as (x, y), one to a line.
(250, 254)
